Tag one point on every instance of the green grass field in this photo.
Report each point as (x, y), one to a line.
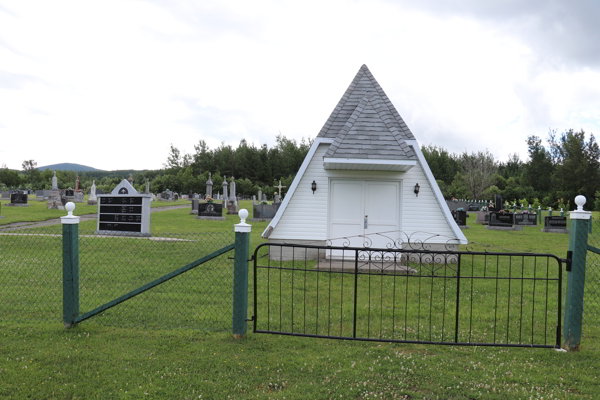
(174, 341)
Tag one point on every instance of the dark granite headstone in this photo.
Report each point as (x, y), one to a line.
(525, 219)
(265, 211)
(69, 193)
(498, 203)
(473, 207)
(501, 219)
(460, 217)
(18, 198)
(555, 222)
(210, 209)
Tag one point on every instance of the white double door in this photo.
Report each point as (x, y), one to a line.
(359, 209)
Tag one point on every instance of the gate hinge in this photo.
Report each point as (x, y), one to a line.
(250, 320)
(569, 260)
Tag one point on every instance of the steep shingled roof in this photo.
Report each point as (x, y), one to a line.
(363, 84)
(371, 132)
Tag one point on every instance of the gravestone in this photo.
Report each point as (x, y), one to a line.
(210, 211)
(262, 212)
(147, 186)
(460, 216)
(77, 183)
(124, 212)
(526, 219)
(260, 196)
(92, 199)
(498, 203)
(502, 221)
(78, 197)
(555, 225)
(209, 185)
(69, 193)
(18, 200)
(54, 182)
(279, 187)
(482, 217)
(195, 203)
(225, 184)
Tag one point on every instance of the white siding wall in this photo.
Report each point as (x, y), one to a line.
(305, 217)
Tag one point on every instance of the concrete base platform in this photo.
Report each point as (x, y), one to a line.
(373, 267)
(504, 228)
(547, 230)
(16, 205)
(213, 218)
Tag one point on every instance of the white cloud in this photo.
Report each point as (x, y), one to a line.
(111, 84)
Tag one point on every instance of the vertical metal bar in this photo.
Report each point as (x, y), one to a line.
(394, 296)
(381, 300)
(457, 322)
(406, 302)
(255, 290)
(509, 284)
(280, 292)
(444, 302)
(496, 303)
(546, 308)
(304, 301)
(269, 288)
(293, 270)
(329, 302)
(522, 283)
(342, 303)
(431, 296)
(533, 307)
(471, 301)
(419, 296)
(559, 311)
(355, 292)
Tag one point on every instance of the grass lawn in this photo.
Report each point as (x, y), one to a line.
(38, 210)
(127, 358)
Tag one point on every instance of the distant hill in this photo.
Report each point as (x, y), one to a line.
(69, 167)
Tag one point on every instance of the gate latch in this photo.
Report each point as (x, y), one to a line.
(569, 260)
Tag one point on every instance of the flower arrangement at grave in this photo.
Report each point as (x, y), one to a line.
(209, 199)
(484, 208)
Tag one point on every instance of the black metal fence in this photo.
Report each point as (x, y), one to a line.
(408, 295)
(31, 278)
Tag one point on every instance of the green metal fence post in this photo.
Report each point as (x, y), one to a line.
(240, 276)
(70, 229)
(578, 245)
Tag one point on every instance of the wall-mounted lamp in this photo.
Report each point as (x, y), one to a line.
(417, 187)
(313, 186)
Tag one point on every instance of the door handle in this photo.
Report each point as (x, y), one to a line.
(366, 221)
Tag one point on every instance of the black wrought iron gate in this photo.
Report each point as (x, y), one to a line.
(409, 295)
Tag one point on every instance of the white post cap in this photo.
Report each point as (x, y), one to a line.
(243, 226)
(69, 218)
(579, 213)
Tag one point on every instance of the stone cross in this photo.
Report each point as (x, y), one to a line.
(54, 182)
(280, 187)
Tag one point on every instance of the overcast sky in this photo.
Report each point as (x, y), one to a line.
(111, 84)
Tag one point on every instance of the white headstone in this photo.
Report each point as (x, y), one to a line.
(54, 182)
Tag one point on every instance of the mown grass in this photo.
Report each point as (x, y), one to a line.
(130, 359)
(38, 210)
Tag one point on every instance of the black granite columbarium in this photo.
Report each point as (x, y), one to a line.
(525, 219)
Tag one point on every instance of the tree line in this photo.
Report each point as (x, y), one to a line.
(551, 177)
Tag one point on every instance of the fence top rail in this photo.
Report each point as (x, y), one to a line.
(415, 251)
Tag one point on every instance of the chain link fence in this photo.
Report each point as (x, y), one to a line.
(591, 302)
(111, 266)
